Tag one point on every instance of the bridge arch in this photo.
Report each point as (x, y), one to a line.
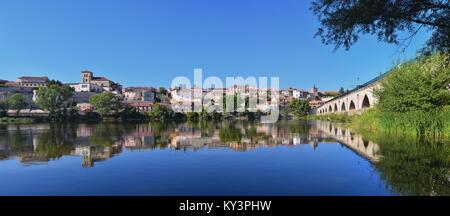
(366, 102)
(343, 106)
(335, 108)
(330, 109)
(352, 105)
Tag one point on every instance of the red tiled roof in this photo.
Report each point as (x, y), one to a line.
(139, 103)
(100, 78)
(131, 89)
(33, 79)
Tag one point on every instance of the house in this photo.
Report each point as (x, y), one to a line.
(85, 107)
(34, 82)
(3, 82)
(27, 92)
(140, 106)
(86, 87)
(82, 97)
(186, 99)
(87, 77)
(139, 94)
(315, 103)
(300, 94)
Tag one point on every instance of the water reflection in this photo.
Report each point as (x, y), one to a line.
(32, 144)
(407, 166)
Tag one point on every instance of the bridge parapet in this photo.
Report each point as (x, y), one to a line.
(353, 102)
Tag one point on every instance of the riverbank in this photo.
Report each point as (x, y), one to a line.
(433, 124)
(413, 99)
(15, 120)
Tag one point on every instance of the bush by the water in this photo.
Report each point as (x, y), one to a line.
(414, 98)
(419, 85)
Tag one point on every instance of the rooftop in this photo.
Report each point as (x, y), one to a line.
(129, 89)
(139, 103)
(33, 79)
(100, 78)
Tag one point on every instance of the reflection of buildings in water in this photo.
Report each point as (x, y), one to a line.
(269, 135)
(183, 137)
(23, 142)
(142, 136)
(91, 154)
(139, 142)
(356, 142)
(84, 130)
(28, 127)
(32, 157)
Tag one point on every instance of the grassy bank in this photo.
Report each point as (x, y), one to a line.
(334, 117)
(413, 98)
(430, 124)
(434, 123)
(16, 120)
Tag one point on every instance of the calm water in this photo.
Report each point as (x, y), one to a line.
(229, 158)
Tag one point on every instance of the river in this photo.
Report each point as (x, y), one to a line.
(226, 158)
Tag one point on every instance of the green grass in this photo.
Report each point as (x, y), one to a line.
(13, 120)
(340, 117)
(432, 124)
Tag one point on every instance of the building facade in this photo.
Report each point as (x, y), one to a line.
(86, 87)
(139, 94)
(87, 77)
(32, 82)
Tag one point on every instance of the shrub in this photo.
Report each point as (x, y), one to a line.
(422, 84)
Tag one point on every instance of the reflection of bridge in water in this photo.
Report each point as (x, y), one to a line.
(32, 144)
(355, 142)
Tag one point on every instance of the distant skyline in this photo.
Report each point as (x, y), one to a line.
(150, 42)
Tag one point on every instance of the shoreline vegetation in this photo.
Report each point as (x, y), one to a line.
(414, 99)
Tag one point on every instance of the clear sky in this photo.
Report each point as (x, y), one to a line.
(149, 42)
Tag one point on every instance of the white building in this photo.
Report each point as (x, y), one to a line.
(86, 87)
(140, 94)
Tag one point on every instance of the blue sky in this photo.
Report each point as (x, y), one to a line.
(149, 42)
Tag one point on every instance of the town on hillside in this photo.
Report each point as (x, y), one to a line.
(143, 99)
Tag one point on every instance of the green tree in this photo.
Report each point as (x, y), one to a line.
(17, 102)
(162, 90)
(203, 115)
(341, 91)
(54, 98)
(160, 113)
(216, 116)
(4, 106)
(192, 116)
(420, 85)
(342, 21)
(299, 108)
(105, 103)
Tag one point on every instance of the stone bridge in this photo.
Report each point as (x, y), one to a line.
(355, 101)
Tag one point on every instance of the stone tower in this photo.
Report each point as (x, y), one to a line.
(314, 90)
(86, 76)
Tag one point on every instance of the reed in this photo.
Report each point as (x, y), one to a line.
(433, 123)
